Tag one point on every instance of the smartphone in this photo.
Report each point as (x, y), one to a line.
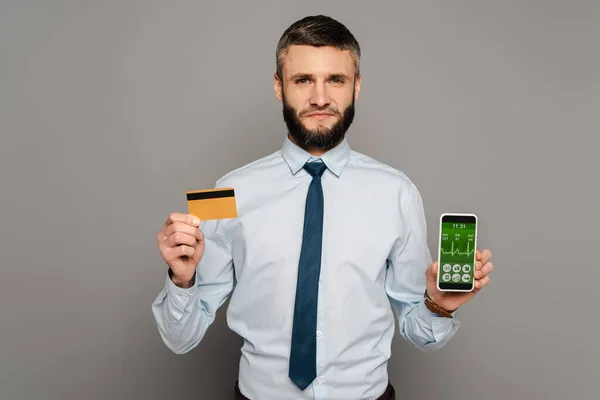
(457, 247)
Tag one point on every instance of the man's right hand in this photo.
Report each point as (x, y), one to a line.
(181, 244)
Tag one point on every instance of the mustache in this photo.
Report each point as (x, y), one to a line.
(326, 109)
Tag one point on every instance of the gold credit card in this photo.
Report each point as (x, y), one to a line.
(212, 203)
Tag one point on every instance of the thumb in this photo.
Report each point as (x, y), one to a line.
(431, 272)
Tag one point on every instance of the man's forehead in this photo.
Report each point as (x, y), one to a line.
(312, 59)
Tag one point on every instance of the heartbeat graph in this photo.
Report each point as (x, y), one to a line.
(456, 252)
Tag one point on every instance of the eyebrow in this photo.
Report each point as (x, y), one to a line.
(312, 76)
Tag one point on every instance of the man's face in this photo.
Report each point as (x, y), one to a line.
(318, 88)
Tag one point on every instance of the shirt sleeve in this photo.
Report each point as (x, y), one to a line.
(405, 281)
(184, 315)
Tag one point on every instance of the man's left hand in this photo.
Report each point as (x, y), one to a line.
(452, 300)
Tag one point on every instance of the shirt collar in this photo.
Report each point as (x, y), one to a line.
(334, 159)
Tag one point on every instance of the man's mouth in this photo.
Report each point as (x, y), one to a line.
(320, 115)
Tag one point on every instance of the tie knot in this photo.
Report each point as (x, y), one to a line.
(315, 168)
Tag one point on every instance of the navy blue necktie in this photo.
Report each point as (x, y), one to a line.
(303, 353)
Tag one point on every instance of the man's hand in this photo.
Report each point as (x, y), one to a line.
(181, 244)
(452, 300)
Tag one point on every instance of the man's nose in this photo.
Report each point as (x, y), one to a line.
(319, 96)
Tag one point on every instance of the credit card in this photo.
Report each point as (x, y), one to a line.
(212, 203)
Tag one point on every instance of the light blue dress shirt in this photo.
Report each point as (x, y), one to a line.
(373, 261)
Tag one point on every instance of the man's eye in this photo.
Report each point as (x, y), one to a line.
(303, 80)
(337, 80)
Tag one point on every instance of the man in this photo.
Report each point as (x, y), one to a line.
(328, 241)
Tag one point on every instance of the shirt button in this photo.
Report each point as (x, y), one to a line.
(319, 333)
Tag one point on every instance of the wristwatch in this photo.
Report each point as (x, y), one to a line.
(437, 309)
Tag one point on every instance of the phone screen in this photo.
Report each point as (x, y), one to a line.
(458, 241)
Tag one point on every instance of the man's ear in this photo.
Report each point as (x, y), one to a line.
(357, 87)
(278, 87)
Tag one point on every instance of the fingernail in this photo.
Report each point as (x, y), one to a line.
(196, 221)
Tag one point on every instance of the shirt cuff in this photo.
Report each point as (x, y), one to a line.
(441, 327)
(180, 297)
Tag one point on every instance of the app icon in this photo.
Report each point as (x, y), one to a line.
(466, 278)
(466, 268)
(447, 268)
(456, 277)
(446, 277)
(456, 268)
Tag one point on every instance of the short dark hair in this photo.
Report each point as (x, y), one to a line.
(318, 30)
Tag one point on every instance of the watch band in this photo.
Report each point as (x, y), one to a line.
(437, 309)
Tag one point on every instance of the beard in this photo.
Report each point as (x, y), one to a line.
(321, 138)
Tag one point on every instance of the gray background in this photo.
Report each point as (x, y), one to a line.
(110, 111)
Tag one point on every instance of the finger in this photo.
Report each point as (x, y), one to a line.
(186, 251)
(486, 255)
(478, 265)
(480, 283)
(162, 240)
(478, 255)
(183, 227)
(180, 217)
(181, 238)
(431, 271)
(173, 217)
(485, 270)
(173, 253)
